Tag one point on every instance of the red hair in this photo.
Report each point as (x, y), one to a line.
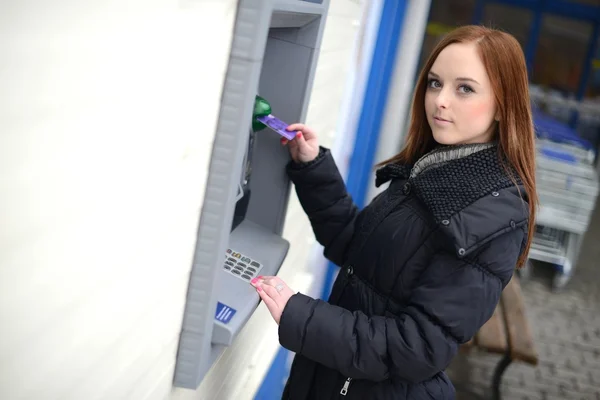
(504, 62)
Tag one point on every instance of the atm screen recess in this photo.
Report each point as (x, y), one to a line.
(270, 74)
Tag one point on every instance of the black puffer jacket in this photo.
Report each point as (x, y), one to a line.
(423, 267)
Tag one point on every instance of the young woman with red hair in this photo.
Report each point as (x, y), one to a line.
(423, 265)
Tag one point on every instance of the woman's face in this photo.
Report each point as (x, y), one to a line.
(459, 101)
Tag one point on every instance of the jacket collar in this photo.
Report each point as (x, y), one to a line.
(451, 180)
(443, 154)
(434, 158)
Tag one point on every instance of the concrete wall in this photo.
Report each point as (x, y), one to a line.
(107, 116)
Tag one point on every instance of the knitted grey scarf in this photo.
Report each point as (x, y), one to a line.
(441, 155)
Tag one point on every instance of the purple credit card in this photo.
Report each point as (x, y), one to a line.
(277, 125)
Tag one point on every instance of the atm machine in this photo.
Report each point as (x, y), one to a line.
(273, 54)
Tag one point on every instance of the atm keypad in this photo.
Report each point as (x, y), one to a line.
(241, 266)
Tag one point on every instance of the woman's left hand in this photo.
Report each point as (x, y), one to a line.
(274, 292)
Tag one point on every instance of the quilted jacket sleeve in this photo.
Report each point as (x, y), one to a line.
(323, 196)
(453, 299)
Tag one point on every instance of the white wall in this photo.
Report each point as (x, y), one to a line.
(106, 125)
(107, 116)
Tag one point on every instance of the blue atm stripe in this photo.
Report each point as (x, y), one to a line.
(361, 165)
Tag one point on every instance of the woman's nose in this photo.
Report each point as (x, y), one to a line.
(442, 99)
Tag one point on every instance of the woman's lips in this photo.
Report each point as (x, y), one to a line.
(441, 121)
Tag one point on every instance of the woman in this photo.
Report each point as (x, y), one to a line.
(423, 266)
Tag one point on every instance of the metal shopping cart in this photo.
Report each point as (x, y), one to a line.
(567, 185)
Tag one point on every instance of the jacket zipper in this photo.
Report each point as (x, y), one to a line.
(344, 390)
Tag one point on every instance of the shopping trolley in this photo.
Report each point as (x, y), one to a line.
(567, 185)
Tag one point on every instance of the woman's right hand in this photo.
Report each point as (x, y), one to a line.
(305, 147)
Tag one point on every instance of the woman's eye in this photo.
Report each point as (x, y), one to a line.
(434, 84)
(465, 89)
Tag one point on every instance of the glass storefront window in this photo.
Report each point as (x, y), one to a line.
(593, 83)
(561, 53)
(452, 12)
(587, 2)
(562, 45)
(514, 20)
(445, 15)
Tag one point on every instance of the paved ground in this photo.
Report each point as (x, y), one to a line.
(566, 326)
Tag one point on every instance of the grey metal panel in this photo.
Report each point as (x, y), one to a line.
(231, 138)
(286, 79)
(261, 245)
(305, 36)
(286, 20)
(285, 70)
(252, 21)
(312, 71)
(297, 13)
(300, 6)
(282, 71)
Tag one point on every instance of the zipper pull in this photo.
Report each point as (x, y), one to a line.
(344, 390)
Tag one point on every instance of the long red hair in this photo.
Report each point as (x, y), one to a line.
(505, 64)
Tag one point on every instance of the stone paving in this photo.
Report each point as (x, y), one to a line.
(566, 327)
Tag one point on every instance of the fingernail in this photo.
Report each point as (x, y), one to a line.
(299, 134)
(253, 281)
(284, 141)
(259, 288)
(259, 277)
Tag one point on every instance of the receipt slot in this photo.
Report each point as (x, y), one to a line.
(273, 54)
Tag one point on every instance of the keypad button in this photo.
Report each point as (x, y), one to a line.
(240, 265)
